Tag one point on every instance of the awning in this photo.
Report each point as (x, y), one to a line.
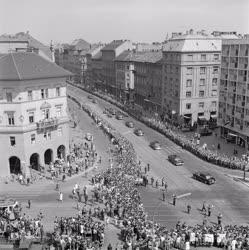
(187, 117)
(230, 134)
(213, 116)
(201, 117)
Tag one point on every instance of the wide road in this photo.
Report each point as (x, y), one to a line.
(227, 196)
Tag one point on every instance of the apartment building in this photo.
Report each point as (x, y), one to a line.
(33, 112)
(191, 66)
(234, 91)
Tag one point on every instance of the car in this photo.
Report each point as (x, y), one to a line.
(119, 117)
(94, 101)
(89, 97)
(112, 111)
(155, 145)
(88, 137)
(176, 160)
(138, 132)
(204, 177)
(109, 115)
(129, 124)
(205, 132)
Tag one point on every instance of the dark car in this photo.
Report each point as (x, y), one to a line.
(129, 124)
(155, 145)
(138, 132)
(176, 160)
(112, 111)
(119, 117)
(94, 101)
(204, 177)
(89, 97)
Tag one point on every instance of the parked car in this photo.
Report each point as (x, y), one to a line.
(112, 111)
(138, 132)
(155, 145)
(119, 117)
(129, 124)
(94, 101)
(204, 177)
(176, 160)
(89, 97)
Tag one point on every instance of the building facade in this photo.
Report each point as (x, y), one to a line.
(33, 112)
(191, 65)
(234, 91)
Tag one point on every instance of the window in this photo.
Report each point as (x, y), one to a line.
(9, 96)
(189, 83)
(47, 135)
(216, 57)
(12, 140)
(201, 104)
(214, 81)
(45, 114)
(215, 70)
(188, 94)
(214, 104)
(202, 70)
(58, 91)
(59, 131)
(202, 82)
(31, 117)
(42, 94)
(190, 57)
(127, 67)
(189, 71)
(58, 111)
(32, 139)
(11, 119)
(201, 93)
(214, 92)
(203, 57)
(30, 95)
(46, 93)
(188, 105)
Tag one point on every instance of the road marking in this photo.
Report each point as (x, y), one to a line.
(183, 195)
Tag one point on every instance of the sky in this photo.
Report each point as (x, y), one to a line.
(105, 20)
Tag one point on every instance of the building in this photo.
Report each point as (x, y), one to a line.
(139, 78)
(24, 42)
(72, 57)
(143, 47)
(33, 112)
(191, 66)
(108, 55)
(234, 91)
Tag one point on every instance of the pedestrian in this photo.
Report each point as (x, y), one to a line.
(218, 146)
(209, 210)
(28, 181)
(164, 195)
(29, 204)
(61, 196)
(188, 208)
(219, 217)
(165, 186)
(145, 170)
(204, 207)
(174, 199)
(148, 167)
(162, 181)
(109, 247)
(156, 183)
(152, 181)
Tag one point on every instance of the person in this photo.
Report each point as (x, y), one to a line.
(219, 219)
(165, 186)
(162, 181)
(148, 167)
(61, 196)
(209, 210)
(29, 204)
(204, 207)
(152, 181)
(156, 183)
(163, 195)
(218, 146)
(174, 199)
(109, 247)
(188, 208)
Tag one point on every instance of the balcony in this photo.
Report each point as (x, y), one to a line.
(47, 123)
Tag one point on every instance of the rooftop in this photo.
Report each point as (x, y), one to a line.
(114, 44)
(26, 66)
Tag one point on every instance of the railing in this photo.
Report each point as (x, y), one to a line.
(47, 123)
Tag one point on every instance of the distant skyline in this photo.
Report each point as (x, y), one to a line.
(105, 20)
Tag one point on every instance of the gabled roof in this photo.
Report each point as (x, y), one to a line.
(26, 66)
(97, 56)
(80, 44)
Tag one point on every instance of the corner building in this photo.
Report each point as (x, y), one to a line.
(234, 91)
(191, 65)
(33, 112)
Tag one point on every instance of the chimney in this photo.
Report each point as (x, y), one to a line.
(52, 51)
(191, 31)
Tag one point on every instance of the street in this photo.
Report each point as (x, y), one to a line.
(227, 196)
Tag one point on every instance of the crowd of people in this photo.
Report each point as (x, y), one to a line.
(123, 206)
